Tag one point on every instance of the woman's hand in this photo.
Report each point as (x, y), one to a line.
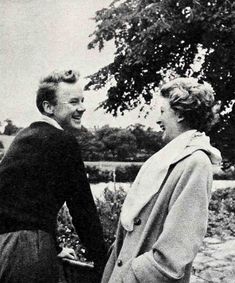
(67, 253)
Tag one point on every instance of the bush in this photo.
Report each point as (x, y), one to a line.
(221, 217)
(225, 175)
(127, 173)
(96, 175)
(122, 174)
(109, 210)
(221, 213)
(66, 233)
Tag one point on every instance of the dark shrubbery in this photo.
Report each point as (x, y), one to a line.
(134, 143)
(128, 174)
(109, 210)
(96, 175)
(230, 175)
(221, 213)
(122, 174)
(221, 217)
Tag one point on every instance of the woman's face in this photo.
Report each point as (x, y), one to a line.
(169, 121)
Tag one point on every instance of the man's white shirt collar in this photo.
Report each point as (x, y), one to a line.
(51, 122)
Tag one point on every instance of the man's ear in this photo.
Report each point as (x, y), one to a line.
(48, 108)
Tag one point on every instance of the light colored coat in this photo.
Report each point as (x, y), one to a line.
(170, 228)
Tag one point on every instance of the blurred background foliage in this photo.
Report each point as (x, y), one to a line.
(157, 40)
(134, 143)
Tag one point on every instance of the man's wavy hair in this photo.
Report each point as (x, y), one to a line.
(193, 99)
(49, 84)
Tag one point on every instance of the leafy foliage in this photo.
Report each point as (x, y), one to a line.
(66, 234)
(155, 39)
(221, 217)
(224, 137)
(148, 141)
(121, 144)
(10, 128)
(221, 213)
(134, 143)
(122, 174)
(109, 210)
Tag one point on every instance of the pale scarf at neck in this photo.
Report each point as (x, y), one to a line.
(150, 178)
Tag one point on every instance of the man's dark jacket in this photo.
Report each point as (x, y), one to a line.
(41, 170)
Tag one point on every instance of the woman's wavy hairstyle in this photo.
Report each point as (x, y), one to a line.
(193, 99)
(49, 84)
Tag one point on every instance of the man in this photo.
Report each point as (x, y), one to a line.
(41, 170)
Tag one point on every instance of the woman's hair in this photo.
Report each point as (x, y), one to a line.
(49, 84)
(193, 99)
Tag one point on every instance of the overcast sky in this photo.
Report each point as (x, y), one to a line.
(38, 36)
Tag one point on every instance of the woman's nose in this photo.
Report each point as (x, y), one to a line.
(158, 119)
(81, 107)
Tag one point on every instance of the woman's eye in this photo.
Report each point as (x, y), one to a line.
(74, 102)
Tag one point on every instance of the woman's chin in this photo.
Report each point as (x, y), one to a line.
(164, 137)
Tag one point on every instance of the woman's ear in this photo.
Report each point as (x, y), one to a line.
(48, 108)
(180, 118)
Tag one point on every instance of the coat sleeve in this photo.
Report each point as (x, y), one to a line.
(184, 227)
(84, 213)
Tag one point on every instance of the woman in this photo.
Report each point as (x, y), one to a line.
(164, 217)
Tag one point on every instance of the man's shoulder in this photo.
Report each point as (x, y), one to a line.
(46, 133)
(50, 130)
(41, 126)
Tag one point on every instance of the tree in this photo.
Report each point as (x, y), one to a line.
(155, 38)
(10, 128)
(148, 141)
(153, 140)
(224, 137)
(107, 143)
(138, 130)
(121, 143)
(92, 148)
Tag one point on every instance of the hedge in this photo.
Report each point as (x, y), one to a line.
(128, 174)
(122, 174)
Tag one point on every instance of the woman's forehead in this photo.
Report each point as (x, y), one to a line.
(162, 102)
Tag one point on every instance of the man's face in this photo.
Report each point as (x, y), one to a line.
(69, 107)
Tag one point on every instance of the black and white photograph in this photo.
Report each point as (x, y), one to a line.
(117, 141)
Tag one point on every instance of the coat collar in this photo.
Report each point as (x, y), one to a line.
(200, 142)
